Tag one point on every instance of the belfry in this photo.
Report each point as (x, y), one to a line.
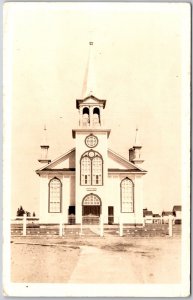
(91, 180)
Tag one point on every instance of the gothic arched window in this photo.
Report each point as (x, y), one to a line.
(127, 195)
(55, 196)
(86, 171)
(97, 166)
(91, 168)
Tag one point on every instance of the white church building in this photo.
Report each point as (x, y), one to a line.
(91, 179)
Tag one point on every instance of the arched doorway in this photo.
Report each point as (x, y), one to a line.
(91, 209)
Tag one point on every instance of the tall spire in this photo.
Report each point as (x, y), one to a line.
(89, 83)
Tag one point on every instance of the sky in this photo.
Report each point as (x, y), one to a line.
(140, 69)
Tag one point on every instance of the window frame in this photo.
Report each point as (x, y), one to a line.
(121, 200)
(96, 154)
(91, 194)
(49, 202)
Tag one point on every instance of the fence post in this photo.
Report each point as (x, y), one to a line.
(101, 226)
(60, 233)
(120, 226)
(81, 228)
(144, 222)
(24, 224)
(170, 226)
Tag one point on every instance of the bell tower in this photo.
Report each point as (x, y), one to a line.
(90, 112)
(91, 139)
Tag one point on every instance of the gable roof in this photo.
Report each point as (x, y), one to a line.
(167, 213)
(123, 164)
(156, 216)
(147, 213)
(177, 208)
(116, 163)
(95, 99)
(57, 161)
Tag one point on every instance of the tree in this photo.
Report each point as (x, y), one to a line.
(28, 214)
(20, 212)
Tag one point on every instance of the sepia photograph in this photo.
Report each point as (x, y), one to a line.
(96, 161)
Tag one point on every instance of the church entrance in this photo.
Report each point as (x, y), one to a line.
(91, 209)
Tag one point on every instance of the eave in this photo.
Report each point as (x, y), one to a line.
(100, 101)
(70, 171)
(133, 171)
(90, 130)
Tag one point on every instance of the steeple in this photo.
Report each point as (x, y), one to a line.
(44, 148)
(137, 140)
(89, 84)
(135, 152)
(90, 107)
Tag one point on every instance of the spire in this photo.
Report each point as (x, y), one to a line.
(44, 148)
(44, 139)
(135, 152)
(89, 80)
(137, 140)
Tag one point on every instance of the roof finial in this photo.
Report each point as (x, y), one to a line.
(44, 140)
(137, 142)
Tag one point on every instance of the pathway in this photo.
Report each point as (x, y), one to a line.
(101, 266)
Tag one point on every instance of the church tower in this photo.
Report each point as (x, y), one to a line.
(44, 149)
(91, 149)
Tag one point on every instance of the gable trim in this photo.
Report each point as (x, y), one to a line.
(56, 160)
(122, 159)
(102, 101)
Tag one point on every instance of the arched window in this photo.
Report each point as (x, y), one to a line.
(96, 116)
(91, 205)
(91, 168)
(91, 199)
(85, 117)
(127, 192)
(86, 171)
(55, 196)
(97, 165)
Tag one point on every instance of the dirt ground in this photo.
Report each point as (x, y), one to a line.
(95, 260)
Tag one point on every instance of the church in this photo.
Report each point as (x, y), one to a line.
(91, 180)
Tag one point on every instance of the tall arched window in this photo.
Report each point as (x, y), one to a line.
(127, 195)
(85, 117)
(96, 116)
(55, 196)
(91, 168)
(97, 165)
(86, 171)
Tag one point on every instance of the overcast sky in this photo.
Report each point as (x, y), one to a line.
(139, 55)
